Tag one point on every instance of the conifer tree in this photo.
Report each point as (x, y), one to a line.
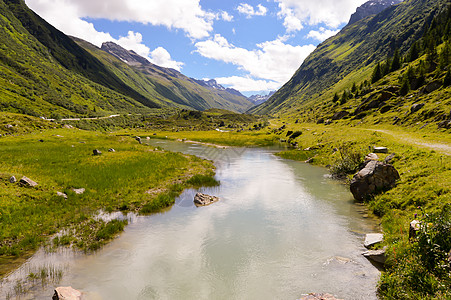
(377, 73)
(396, 62)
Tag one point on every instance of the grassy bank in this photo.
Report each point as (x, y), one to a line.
(418, 268)
(134, 177)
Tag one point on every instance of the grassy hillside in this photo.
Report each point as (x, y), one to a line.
(351, 55)
(33, 82)
(168, 87)
(69, 54)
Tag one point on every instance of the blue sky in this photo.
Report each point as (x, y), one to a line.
(252, 46)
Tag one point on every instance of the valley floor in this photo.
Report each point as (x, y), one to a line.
(136, 177)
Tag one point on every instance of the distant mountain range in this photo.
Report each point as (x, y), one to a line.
(259, 99)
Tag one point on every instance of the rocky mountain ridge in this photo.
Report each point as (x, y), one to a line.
(259, 99)
(371, 7)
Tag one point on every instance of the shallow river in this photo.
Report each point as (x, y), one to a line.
(282, 229)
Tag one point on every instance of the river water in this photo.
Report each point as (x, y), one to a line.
(282, 229)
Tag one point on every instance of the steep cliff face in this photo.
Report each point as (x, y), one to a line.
(371, 7)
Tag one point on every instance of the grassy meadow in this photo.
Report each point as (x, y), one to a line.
(134, 178)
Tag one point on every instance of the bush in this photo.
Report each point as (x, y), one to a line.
(348, 162)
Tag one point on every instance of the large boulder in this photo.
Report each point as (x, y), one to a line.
(66, 293)
(374, 177)
(204, 199)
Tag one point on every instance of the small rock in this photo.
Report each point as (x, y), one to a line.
(154, 134)
(97, 152)
(372, 239)
(317, 296)
(204, 199)
(380, 150)
(13, 179)
(9, 126)
(376, 255)
(309, 161)
(414, 228)
(59, 194)
(416, 107)
(148, 138)
(66, 293)
(79, 191)
(389, 159)
(25, 181)
(111, 150)
(371, 156)
(42, 141)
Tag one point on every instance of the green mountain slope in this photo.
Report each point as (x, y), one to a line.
(33, 82)
(351, 55)
(68, 53)
(46, 73)
(167, 86)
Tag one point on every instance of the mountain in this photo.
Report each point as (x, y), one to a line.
(43, 72)
(55, 77)
(350, 56)
(259, 99)
(371, 7)
(167, 85)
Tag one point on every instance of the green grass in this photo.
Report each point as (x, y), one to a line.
(232, 138)
(113, 181)
(423, 190)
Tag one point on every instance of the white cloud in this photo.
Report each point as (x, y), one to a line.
(250, 11)
(248, 84)
(65, 15)
(226, 16)
(186, 15)
(272, 60)
(161, 57)
(322, 34)
(330, 12)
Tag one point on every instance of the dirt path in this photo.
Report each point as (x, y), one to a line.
(439, 147)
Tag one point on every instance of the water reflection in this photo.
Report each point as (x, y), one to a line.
(280, 230)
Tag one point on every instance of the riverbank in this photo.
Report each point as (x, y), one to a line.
(423, 162)
(73, 185)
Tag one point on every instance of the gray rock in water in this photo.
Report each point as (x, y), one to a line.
(373, 178)
(13, 179)
(25, 181)
(318, 296)
(204, 199)
(59, 194)
(372, 239)
(376, 255)
(66, 293)
(97, 152)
